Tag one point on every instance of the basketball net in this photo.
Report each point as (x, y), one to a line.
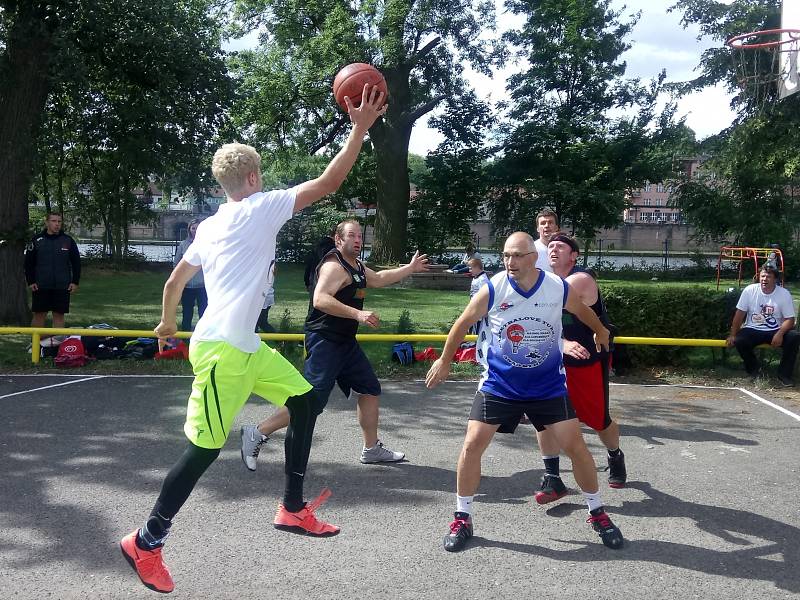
(765, 64)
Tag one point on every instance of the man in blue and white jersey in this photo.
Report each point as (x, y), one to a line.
(520, 348)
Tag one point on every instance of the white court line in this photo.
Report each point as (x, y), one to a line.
(768, 403)
(47, 387)
(97, 376)
(764, 401)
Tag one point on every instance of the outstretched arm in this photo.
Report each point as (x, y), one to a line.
(376, 279)
(363, 117)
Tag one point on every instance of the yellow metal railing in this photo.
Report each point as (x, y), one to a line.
(37, 332)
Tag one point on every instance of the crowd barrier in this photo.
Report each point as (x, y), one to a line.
(37, 332)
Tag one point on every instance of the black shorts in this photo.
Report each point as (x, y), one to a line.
(499, 411)
(344, 363)
(43, 301)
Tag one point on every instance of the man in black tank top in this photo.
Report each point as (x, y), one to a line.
(587, 374)
(333, 356)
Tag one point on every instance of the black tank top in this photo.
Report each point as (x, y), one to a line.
(338, 329)
(576, 331)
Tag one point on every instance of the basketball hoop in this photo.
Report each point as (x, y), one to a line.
(766, 64)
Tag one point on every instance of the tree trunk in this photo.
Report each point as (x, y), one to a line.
(22, 103)
(391, 219)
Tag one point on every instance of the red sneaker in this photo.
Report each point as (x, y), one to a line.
(147, 564)
(303, 521)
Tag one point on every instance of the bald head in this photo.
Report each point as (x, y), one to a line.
(521, 239)
(519, 257)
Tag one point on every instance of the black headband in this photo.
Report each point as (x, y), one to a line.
(560, 237)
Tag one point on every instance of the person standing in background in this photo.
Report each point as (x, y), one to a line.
(269, 299)
(195, 290)
(52, 270)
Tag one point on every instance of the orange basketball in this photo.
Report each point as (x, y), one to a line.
(351, 79)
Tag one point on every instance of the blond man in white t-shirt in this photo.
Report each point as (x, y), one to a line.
(765, 315)
(235, 249)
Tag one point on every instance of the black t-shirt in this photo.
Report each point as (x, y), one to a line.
(331, 327)
(576, 330)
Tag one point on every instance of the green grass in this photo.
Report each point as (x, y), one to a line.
(132, 300)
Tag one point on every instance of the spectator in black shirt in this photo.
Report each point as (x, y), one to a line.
(52, 270)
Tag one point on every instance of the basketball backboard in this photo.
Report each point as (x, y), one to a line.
(789, 82)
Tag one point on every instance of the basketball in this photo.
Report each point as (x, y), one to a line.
(350, 82)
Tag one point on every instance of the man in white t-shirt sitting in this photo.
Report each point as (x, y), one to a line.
(547, 227)
(765, 315)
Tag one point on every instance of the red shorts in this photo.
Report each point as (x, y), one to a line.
(587, 387)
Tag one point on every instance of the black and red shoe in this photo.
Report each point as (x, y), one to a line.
(460, 532)
(552, 489)
(608, 532)
(617, 474)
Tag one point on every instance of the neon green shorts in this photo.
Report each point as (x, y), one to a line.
(224, 378)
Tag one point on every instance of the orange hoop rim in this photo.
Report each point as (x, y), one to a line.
(737, 41)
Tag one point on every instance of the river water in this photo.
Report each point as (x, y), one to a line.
(165, 252)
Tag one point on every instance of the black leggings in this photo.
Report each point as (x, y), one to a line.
(183, 476)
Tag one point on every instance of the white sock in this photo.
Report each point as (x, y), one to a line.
(593, 501)
(464, 504)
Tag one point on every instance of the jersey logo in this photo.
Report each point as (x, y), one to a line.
(526, 342)
(505, 306)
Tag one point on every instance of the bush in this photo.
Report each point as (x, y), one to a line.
(405, 324)
(655, 311)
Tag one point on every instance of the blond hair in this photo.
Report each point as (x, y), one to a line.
(232, 164)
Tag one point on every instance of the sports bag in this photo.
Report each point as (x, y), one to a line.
(71, 353)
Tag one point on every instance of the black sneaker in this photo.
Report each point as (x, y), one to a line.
(608, 532)
(617, 475)
(460, 532)
(785, 381)
(551, 490)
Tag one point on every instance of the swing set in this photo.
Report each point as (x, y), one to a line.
(744, 254)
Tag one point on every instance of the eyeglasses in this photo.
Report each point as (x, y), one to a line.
(507, 256)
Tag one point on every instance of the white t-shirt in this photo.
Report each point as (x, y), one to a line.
(765, 312)
(236, 249)
(477, 283)
(542, 260)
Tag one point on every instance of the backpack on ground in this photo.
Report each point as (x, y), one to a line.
(403, 353)
(71, 353)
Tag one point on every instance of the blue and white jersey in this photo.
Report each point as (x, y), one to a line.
(520, 344)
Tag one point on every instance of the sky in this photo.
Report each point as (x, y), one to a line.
(658, 42)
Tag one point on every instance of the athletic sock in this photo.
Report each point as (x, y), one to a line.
(593, 501)
(614, 453)
(154, 532)
(551, 466)
(464, 504)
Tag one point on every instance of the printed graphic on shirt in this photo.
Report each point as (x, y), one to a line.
(526, 342)
(766, 316)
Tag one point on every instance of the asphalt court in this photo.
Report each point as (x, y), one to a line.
(710, 510)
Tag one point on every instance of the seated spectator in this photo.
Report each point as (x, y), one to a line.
(463, 266)
(765, 315)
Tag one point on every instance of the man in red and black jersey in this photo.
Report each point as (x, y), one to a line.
(587, 374)
(333, 356)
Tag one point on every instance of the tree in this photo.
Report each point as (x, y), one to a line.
(452, 189)
(133, 85)
(560, 147)
(419, 46)
(29, 37)
(747, 191)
